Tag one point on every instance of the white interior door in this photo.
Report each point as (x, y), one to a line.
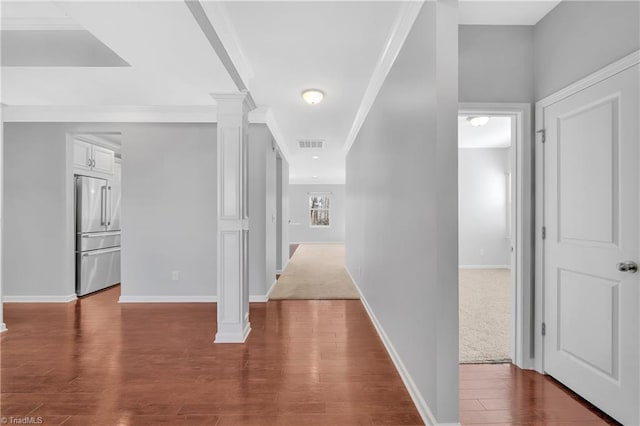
(591, 217)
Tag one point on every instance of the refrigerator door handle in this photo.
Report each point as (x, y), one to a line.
(110, 206)
(103, 202)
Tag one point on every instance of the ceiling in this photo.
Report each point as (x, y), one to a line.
(293, 46)
(154, 53)
(495, 134)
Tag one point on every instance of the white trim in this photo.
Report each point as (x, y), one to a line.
(3, 328)
(582, 84)
(421, 405)
(588, 81)
(168, 299)
(521, 324)
(265, 297)
(264, 115)
(401, 27)
(111, 114)
(39, 299)
(219, 18)
(484, 267)
(233, 337)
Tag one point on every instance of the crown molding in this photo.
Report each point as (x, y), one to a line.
(40, 24)
(111, 114)
(401, 27)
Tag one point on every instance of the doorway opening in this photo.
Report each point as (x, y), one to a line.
(485, 238)
(495, 289)
(95, 174)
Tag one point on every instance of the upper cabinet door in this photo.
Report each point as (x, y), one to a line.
(103, 160)
(82, 158)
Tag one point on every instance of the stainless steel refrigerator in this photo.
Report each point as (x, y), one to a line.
(97, 234)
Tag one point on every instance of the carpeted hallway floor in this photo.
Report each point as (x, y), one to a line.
(315, 271)
(485, 312)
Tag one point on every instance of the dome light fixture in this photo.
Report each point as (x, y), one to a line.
(478, 121)
(316, 157)
(313, 96)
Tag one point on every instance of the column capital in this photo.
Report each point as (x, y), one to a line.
(234, 102)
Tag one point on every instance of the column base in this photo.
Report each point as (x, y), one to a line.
(227, 337)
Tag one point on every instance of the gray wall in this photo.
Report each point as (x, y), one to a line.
(169, 177)
(36, 258)
(300, 230)
(262, 210)
(402, 208)
(579, 37)
(168, 209)
(496, 63)
(483, 207)
(282, 209)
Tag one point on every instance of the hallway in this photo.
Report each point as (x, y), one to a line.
(315, 271)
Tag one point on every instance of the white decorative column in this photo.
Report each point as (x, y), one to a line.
(233, 219)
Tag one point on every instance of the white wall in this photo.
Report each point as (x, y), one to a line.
(483, 207)
(579, 37)
(168, 210)
(300, 230)
(402, 213)
(262, 211)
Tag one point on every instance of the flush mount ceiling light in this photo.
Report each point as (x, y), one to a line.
(478, 121)
(314, 177)
(316, 157)
(312, 96)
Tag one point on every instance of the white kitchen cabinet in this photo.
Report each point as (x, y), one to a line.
(90, 157)
(103, 160)
(82, 155)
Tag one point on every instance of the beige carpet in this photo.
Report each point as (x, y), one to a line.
(316, 271)
(485, 312)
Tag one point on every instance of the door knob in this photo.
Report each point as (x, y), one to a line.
(628, 266)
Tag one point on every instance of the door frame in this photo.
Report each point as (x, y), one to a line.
(522, 320)
(582, 84)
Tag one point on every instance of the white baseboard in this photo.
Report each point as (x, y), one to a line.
(263, 298)
(484, 267)
(416, 396)
(39, 299)
(167, 299)
(3, 327)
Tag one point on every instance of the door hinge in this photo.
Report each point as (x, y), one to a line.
(544, 232)
(543, 135)
(544, 329)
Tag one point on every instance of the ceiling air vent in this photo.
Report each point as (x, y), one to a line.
(311, 143)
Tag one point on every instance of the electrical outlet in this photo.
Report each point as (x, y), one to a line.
(175, 275)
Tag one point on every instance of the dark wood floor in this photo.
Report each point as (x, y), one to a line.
(95, 362)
